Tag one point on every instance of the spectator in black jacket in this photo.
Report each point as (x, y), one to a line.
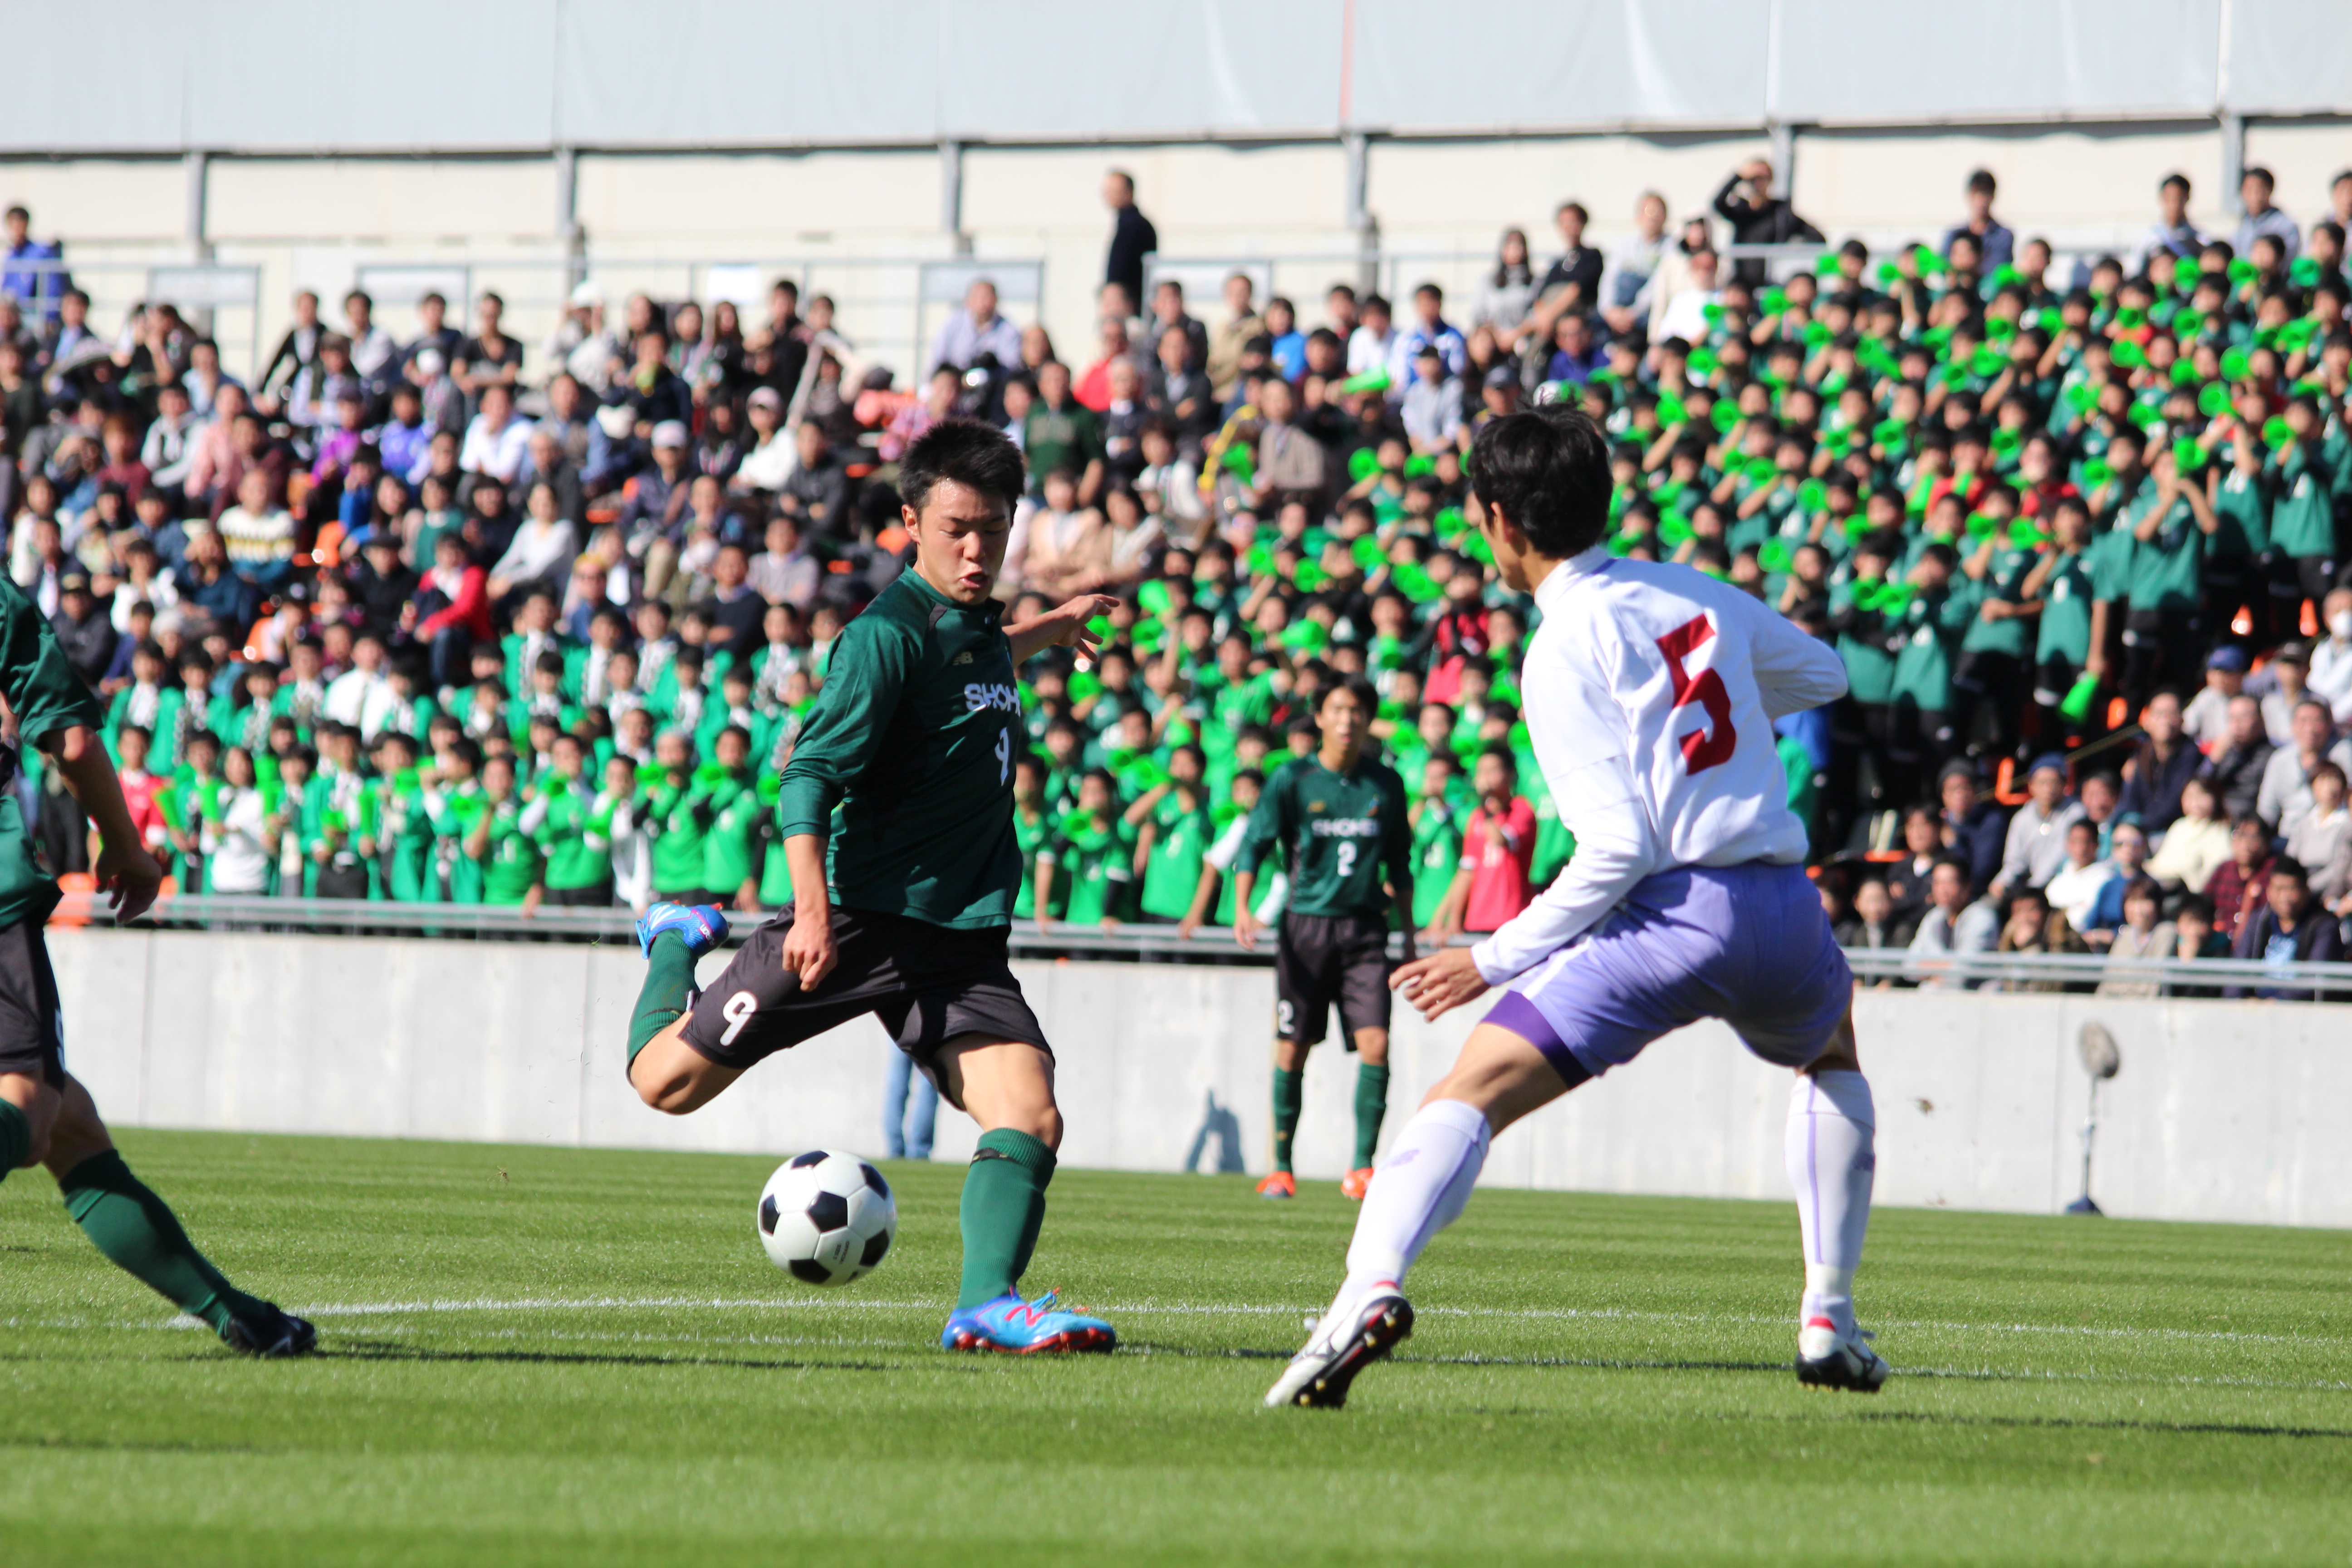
(816, 494)
(2160, 765)
(1757, 216)
(1132, 238)
(84, 626)
(2235, 771)
(2288, 929)
(1976, 830)
(380, 585)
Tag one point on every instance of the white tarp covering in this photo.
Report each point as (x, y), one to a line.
(292, 77)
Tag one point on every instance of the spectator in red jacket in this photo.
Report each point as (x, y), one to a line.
(451, 611)
(1498, 850)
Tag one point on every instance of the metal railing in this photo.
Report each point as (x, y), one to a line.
(221, 299)
(1155, 943)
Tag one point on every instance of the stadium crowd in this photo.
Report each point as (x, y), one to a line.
(443, 617)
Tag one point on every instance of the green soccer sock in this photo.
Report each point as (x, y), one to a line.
(1372, 1107)
(131, 1225)
(1289, 1099)
(15, 1138)
(669, 981)
(1003, 1206)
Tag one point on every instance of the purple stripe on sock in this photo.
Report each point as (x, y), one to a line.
(1813, 1162)
(1522, 1018)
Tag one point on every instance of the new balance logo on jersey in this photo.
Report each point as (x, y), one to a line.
(978, 697)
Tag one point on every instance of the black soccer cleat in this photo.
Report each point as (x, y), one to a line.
(1342, 1345)
(262, 1329)
(1827, 1359)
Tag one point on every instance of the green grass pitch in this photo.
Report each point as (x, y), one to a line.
(547, 1356)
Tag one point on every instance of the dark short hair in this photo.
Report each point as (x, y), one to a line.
(1367, 697)
(1547, 472)
(1982, 179)
(966, 452)
(2288, 866)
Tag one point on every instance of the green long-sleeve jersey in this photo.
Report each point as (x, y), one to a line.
(46, 696)
(1344, 833)
(912, 739)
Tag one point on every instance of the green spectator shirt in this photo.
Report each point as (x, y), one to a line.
(912, 739)
(1340, 831)
(2242, 504)
(1923, 669)
(2066, 596)
(680, 816)
(46, 696)
(1172, 873)
(2005, 579)
(728, 848)
(575, 835)
(511, 861)
(2303, 517)
(1436, 855)
(1091, 863)
(2165, 571)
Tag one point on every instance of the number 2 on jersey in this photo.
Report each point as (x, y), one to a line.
(1702, 749)
(1346, 857)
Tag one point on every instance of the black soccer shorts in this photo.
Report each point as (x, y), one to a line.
(32, 1034)
(928, 983)
(1319, 960)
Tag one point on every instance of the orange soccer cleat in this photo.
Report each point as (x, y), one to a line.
(1354, 1182)
(1281, 1184)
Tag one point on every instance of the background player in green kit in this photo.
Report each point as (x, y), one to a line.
(903, 897)
(1339, 818)
(47, 1116)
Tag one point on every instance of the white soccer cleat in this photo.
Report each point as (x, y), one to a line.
(1827, 1358)
(1347, 1341)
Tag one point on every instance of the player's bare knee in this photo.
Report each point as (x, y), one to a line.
(1372, 1046)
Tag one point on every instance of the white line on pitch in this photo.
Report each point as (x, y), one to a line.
(1148, 1309)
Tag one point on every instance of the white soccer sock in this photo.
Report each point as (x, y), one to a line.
(1418, 1191)
(1831, 1159)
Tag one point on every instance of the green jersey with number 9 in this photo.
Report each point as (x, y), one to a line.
(905, 762)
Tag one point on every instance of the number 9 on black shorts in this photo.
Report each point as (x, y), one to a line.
(1320, 959)
(926, 983)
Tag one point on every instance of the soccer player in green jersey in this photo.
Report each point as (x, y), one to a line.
(47, 1116)
(1340, 816)
(902, 900)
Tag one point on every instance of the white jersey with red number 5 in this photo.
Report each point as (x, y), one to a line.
(1651, 692)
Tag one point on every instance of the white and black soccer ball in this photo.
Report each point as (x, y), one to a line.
(826, 1217)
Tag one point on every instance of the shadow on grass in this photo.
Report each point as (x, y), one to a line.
(377, 1350)
(2066, 1424)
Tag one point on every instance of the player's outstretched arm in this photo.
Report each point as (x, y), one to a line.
(1065, 626)
(124, 869)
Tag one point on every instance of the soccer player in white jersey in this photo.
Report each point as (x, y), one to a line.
(1650, 691)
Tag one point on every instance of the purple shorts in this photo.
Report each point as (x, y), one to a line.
(1748, 944)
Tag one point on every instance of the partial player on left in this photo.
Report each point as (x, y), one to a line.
(47, 1116)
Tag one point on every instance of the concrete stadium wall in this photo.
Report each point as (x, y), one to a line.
(2223, 1111)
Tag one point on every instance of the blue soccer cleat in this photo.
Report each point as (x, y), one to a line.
(1024, 1328)
(701, 927)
